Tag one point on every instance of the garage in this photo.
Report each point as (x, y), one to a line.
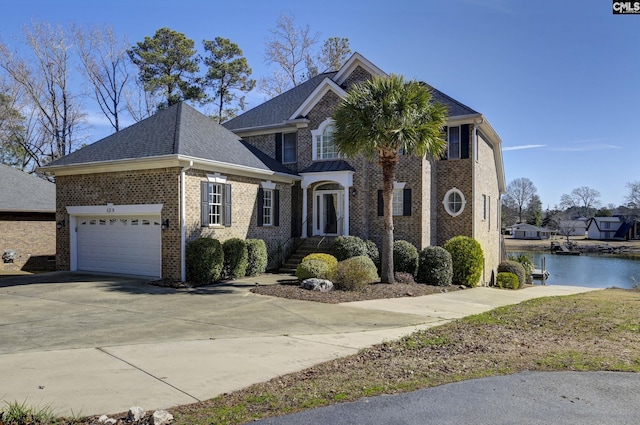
(124, 244)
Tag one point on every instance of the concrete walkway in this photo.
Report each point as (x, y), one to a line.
(85, 344)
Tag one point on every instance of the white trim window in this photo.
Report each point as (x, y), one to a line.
(267, 207)
(453, 137)
(398, 202)
(454, 202)
(323, 145)
(214, 201)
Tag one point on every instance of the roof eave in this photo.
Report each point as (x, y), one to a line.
(281, 127)
(236, 169)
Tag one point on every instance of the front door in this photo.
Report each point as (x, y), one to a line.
(328, 216)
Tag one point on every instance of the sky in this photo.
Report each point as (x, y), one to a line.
(559, 81)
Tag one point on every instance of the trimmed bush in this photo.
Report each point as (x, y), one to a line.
(373, 252)
(355, 273)
(516, 268)
(348, 246)
(205, 260)
(435, 266)
(235, 258)
(405, 257)
(330, 260)
(507, 280)
(312, 268)
(527, 263)
(257, 257)
(467, 259)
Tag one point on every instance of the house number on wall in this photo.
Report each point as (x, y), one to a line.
(111, 210)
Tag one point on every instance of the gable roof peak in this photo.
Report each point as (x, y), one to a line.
(352, 63)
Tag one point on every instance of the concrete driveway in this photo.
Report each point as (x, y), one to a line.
(89, 344)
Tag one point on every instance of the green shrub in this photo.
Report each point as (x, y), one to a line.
(373, 252)
(435, 266)
(355, 273)
(330, 260)
(235, 258)
(312, 268)
(257, 257)
(405, 257)
(348, 246)
(527, 263)
(205, 260)
(507, 280)
(516, 268)
(467, 259)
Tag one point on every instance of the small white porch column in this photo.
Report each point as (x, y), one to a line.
(305, 213)
(345, 226)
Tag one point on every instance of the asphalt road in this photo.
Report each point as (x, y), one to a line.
(559, 398)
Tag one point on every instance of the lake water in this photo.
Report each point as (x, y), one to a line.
(596, 271)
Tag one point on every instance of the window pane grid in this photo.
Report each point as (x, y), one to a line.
(215, 203)
(454, 142)
(267, 207)
(398, 201)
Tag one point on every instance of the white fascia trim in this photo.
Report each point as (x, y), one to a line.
(344, 178)
(271, 128)
(164, 161)
(238, 169)
(351, 64)
(323, 88)
(111, 209)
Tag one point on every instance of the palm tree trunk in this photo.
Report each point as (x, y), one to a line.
(388, 175)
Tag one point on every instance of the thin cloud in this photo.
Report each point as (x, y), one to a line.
(586, 146)
(521, 147)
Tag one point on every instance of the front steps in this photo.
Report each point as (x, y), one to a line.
(308, 246)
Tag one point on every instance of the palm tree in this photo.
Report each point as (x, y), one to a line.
(381, 117)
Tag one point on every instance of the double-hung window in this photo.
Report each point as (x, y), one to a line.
(267, 208)
(323, 143)
(453, 138)
(398, 201)
(289, 152)
(214, 200)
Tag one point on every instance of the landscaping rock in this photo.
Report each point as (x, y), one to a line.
(161, 417)
(314, 284)
(136, 413)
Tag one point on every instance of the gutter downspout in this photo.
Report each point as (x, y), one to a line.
(183, 223)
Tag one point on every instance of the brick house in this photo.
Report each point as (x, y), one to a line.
(433, 201)
(27, 221)
(278, 169)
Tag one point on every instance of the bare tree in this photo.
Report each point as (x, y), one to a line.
(584, 198)
(290, 47)
(43, 78)
(519, 194)
(106, 66)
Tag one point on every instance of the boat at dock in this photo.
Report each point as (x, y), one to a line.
(540, 274)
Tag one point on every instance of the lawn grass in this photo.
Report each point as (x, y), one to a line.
(589, 332)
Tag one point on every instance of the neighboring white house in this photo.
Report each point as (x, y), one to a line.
(529, 231)
(603, 228)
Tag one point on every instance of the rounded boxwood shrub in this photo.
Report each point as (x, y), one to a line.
(348, 246)
(355, 273)
(405, 257)
(257, 257)
(330, 260)
(235, 258)
(435, 266)
(467, 259)
(507, 280)
(312, 268)
(516, 268)
(205, 260)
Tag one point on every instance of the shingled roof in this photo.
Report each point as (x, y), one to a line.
(22, 192)
(177, 130)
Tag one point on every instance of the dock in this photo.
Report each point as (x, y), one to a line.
(540, 274)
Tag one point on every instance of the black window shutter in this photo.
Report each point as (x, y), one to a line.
(276, 208)
(227, 205)
(204, 204)
(279, 147)
(380, 204)
(446, 138)
(464, 141)
(260, 205)
(406, 202)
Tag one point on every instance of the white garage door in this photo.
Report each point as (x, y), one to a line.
(120, 244)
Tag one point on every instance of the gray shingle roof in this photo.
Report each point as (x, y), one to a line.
(20, 191)
(279, 109)
(454, 108)
(177, 130)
